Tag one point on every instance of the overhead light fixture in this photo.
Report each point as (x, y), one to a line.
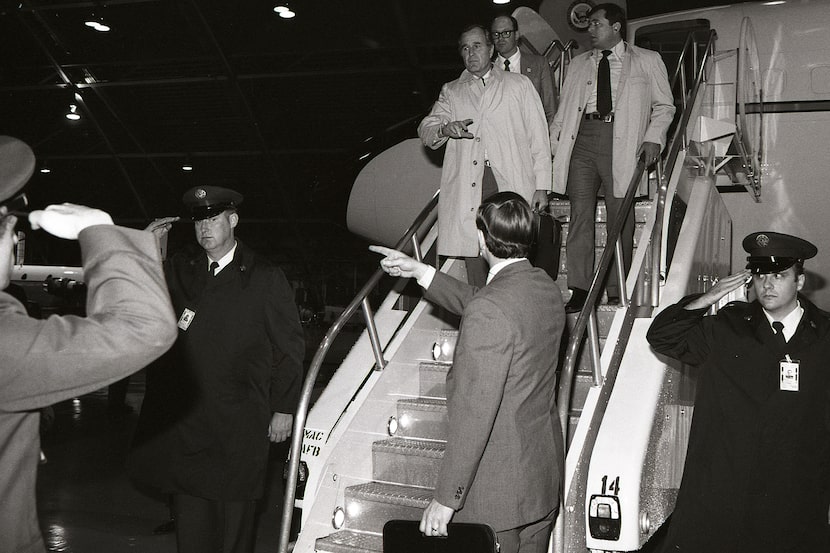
(97, 23)
(501, 1)
(45, 168)
(187, 166)
(284, 11)
(73, 114)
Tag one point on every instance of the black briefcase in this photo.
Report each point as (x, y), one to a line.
(403, 536)
(544, 252)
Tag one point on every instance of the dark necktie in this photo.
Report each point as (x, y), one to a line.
(507, 65)
(213, 266)
(779, 332)
(604, 85)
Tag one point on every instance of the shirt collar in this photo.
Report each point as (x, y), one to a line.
(514, 59)
(227, 258)
(494, 270)
(791, 321)
(617, 51)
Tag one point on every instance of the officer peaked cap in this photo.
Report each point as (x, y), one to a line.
(773, 252)
(205, 202)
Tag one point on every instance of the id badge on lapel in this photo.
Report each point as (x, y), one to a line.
(186, 318)
(788, 374)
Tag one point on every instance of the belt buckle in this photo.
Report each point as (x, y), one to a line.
(607, 118)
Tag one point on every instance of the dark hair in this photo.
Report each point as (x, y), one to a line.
(510, 17)
(613, 13)
(474, 26)
(799, 268)
(507, 223)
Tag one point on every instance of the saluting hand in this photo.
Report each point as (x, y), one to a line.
(162, 226)
(720, 289)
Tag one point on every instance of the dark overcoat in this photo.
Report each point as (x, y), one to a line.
(757, 473)
(204, 421)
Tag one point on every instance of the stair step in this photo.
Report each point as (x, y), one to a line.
(561, 209)
(422, 418)
(444, 346)
(348, 541)
(433, 379)
(601, 234)
(407, 462)
(370, 505)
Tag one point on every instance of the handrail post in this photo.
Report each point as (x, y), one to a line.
(372, 330)
(620, 272)
(416, 248)
(656, 279)
(593, 343)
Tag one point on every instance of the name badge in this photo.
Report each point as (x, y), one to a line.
(788, 379)
(186, 318)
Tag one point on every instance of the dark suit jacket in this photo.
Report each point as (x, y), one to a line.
(504, 457)
(537, 69)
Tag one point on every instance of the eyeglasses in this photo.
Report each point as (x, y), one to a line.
(505, 34)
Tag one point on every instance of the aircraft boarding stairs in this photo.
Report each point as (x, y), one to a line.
(373, 444)
(411, 413)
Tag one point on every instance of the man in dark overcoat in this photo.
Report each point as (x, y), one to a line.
(757, 473)
(231, 383)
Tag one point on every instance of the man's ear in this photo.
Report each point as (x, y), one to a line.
(233, 219)
(799, 284)
(482, 244)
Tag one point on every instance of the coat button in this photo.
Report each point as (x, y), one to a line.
(478, 139)
(589, 82)
(475, 162)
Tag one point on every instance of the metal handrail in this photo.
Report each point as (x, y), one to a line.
(361, 300)
(588, 313)
(678, 139)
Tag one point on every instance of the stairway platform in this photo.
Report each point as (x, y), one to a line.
(349, 541)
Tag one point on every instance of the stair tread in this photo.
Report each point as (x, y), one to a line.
(411, 446)
(436, 366)
(423, 403)
(349, 539)
(395, 494)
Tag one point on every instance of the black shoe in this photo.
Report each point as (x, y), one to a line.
(578, 297)
(165, 527)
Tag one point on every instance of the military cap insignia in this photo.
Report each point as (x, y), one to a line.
(762, 240)
(200, 193)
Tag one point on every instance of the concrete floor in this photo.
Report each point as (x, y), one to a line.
(86, 502)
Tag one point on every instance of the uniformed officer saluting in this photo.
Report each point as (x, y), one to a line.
(757, 473)
(231, 385)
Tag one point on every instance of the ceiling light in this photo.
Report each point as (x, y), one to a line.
(187, 165)
(280, 9)
(97, 23)
(73, 114)
(288, 14)
(501, 1)
(45, 168)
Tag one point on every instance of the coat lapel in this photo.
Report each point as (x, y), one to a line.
(626, 69)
